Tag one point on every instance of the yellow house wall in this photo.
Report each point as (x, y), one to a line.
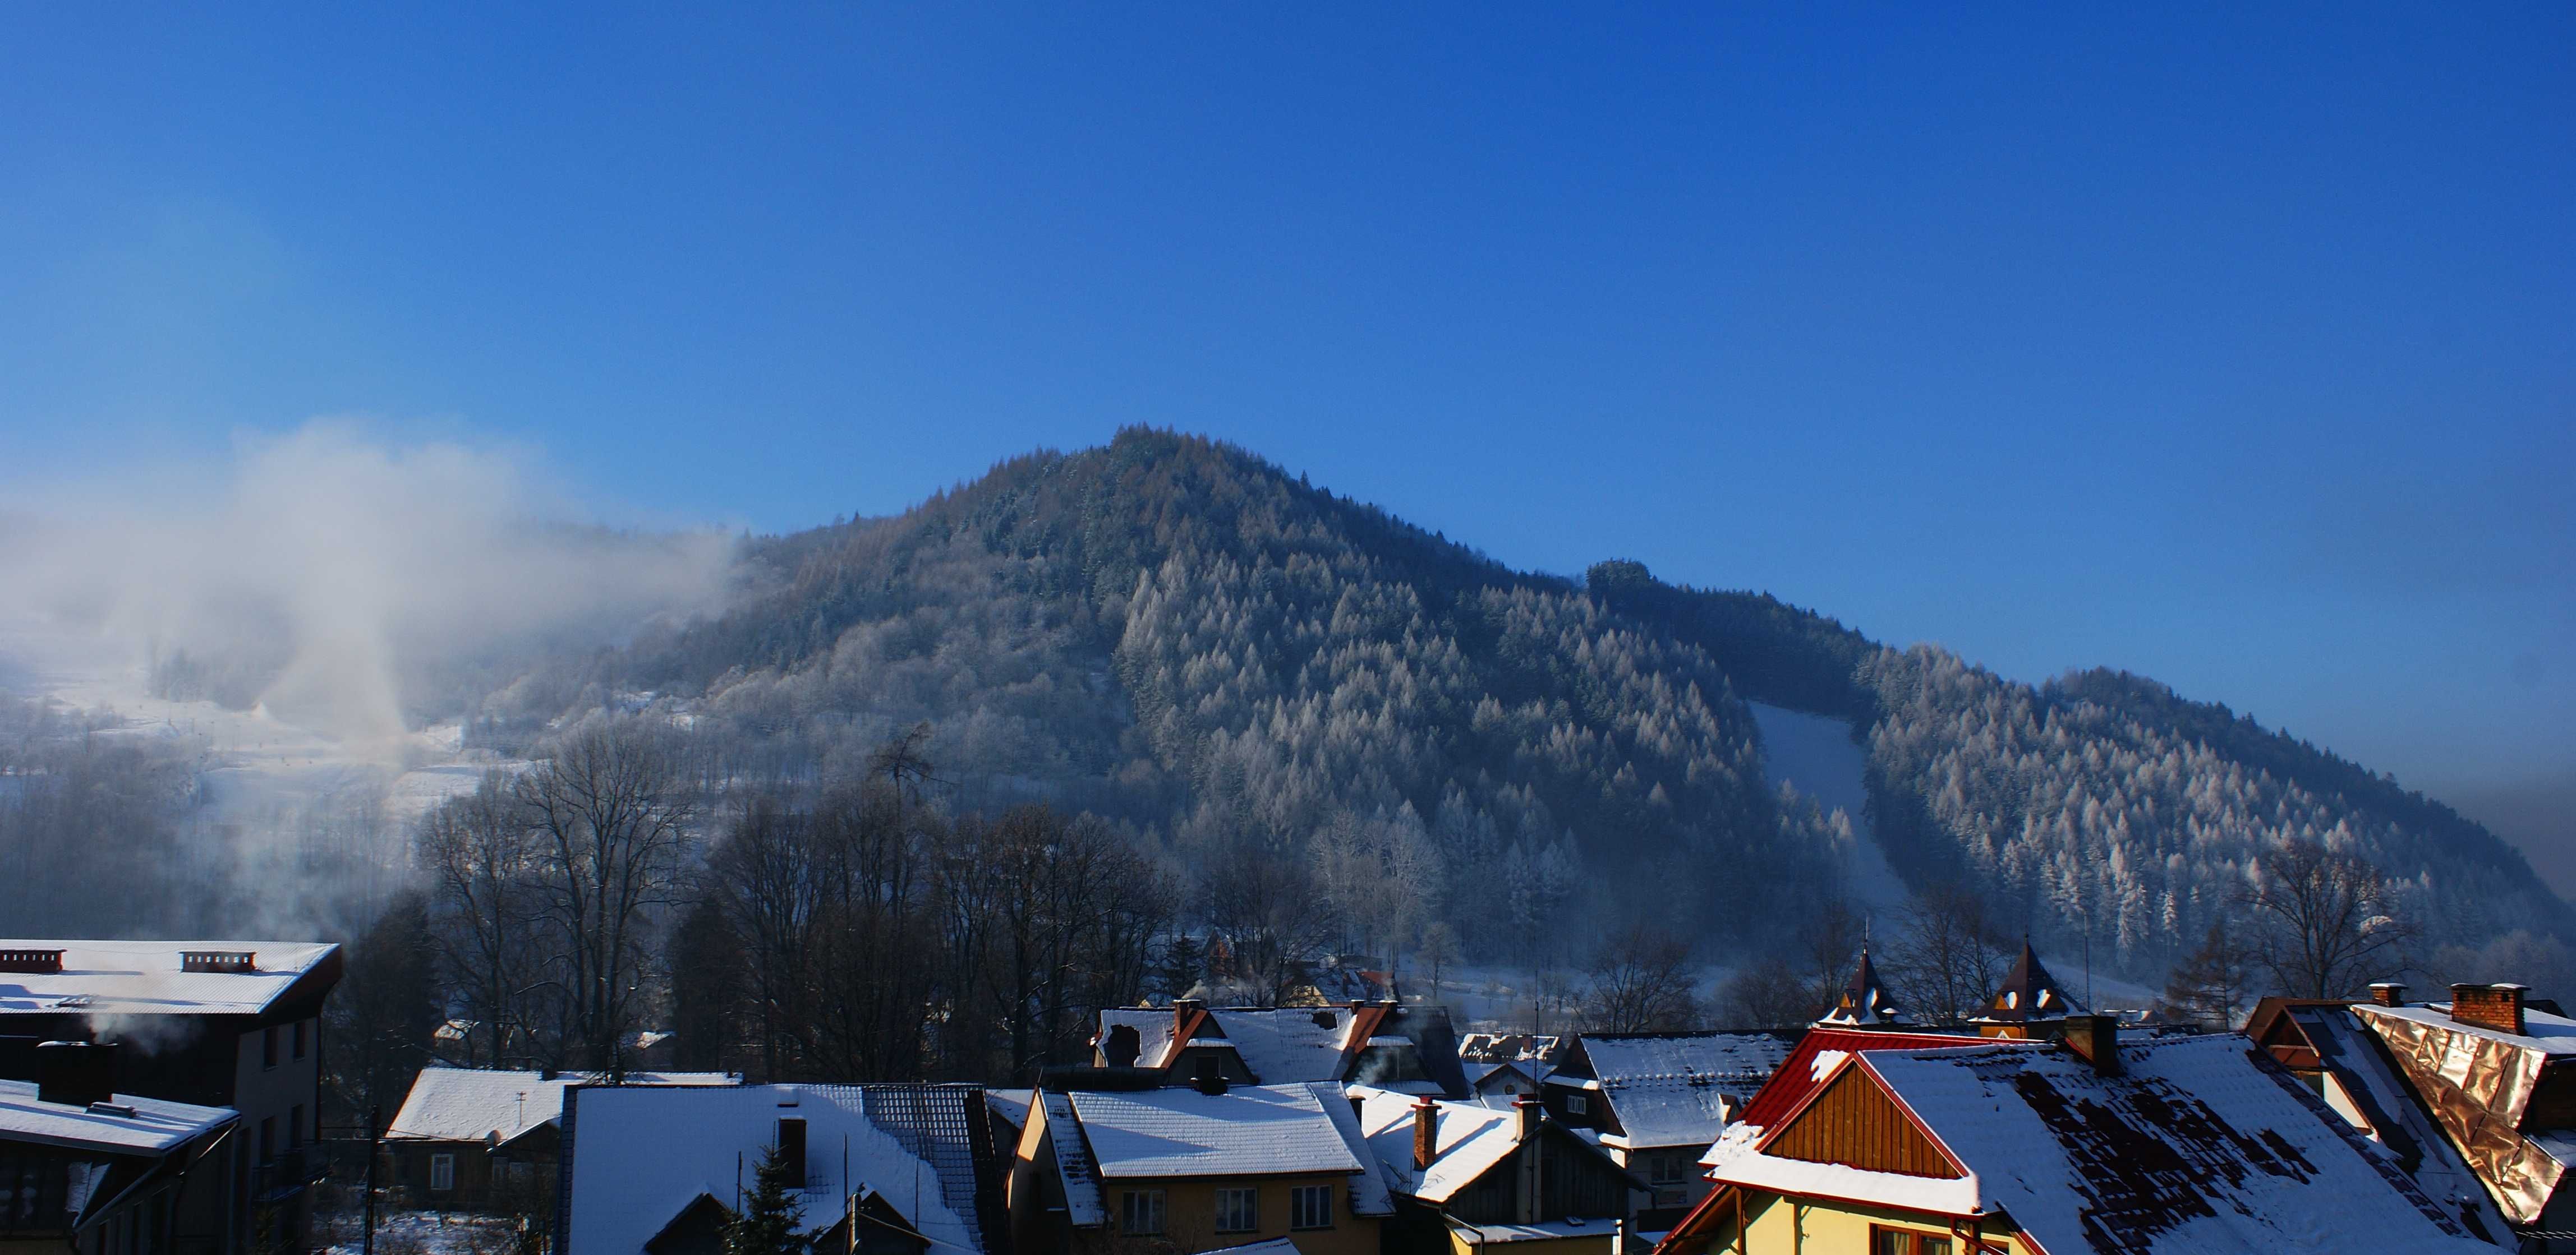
(1779, 1226)
(1189, 1214)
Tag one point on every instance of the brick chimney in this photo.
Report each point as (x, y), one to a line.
(1526, 1111)
(1426, 1132)
(1182, 1010)
(2498, 1007)
(2096, 1040)
(2388, 993)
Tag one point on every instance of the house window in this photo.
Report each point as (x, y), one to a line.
(268, 1139)
(1577, 1104)
(298, 1032)
(1310, 1207)
(268, 1046)
(1238, 1211)
(1140, 1211)
(1885, 1241)
(295, 1127)
(1667, 1169)
(442, 1173)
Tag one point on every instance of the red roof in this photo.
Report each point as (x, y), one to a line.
(1796, 1078)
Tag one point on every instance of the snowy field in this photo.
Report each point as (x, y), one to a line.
(271, 783)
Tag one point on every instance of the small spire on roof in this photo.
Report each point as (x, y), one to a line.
(1865, 1000)
(2029, 994)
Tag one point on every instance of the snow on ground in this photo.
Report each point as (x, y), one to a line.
(1815, 755)
(258, 767)
(417, 1233)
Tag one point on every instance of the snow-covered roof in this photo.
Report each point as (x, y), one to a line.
(2028, 994)
(1272, 1246)
(157, 1127)
(2200, 1144)
(1247, 1130)
(472, 1104)
(145, 978)
(2551, 1035)
(1154, 1028)
(640, 1154)
(1074, 1171)
(1469, 1140)
(1285, 1044)
(1484, 1235)
(1670, 1089)
(1012, 1105)
(2397, 1119)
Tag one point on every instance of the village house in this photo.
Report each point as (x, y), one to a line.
(1384, 1043)
(1657, 1100)
(2492, 1069)
(877, 1169)
(2021, 1147)
(1191, 1169)
(481, 1139)
(1499, 1085)
(1467, 1178)
(88, 1171)
(234, 1024)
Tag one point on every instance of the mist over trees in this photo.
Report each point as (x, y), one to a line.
(1243, 723)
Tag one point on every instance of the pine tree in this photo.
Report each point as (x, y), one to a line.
(767, 1223)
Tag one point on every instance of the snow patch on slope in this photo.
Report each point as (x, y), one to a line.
(1815, 755)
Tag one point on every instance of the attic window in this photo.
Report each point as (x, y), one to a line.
(1323, 1019)
(215, 961)
(31, 960)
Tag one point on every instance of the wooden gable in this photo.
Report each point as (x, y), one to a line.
(1855, 1122)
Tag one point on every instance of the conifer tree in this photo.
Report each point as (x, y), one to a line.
(766, 1225)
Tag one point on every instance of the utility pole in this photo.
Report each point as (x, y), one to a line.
(375, 1151)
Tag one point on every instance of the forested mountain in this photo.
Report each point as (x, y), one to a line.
(1229, 663)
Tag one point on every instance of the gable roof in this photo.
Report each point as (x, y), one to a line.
(1074, 1172)
(2478, 1083)
(1865, 1001)
(1249, 1130)
(2028, 995)
(1814, 1058)
(1468, 1139)
(1673, 1089)
(145, 977)
(2201, 1144)
(2369, 1079)
(1360, 1042)
(639, 1155)
(476, 1104)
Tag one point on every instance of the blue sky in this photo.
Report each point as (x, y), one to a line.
(2235, 348)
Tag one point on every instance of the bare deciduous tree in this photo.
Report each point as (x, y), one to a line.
(483, 863)
(609, 812)
(1948, 958)
(2327, 922)
(1640, 982)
